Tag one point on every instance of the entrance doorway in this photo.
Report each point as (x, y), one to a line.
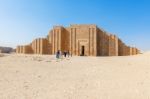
(82, 50)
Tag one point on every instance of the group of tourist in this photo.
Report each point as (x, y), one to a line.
(60, 54)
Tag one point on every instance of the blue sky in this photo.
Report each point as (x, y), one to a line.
(21, 21)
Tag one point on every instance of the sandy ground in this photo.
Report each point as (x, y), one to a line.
(43, 77)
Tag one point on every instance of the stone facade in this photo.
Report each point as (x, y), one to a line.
(85, 40)
(38, 46)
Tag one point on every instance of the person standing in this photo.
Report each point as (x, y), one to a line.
(65, 53)
(68, 54)
(58, 54)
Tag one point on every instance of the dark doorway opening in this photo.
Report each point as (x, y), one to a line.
(82, 50)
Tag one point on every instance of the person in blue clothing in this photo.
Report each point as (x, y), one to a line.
(58, 54)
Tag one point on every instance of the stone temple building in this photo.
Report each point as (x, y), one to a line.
(84, 40)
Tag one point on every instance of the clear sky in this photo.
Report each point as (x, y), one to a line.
(21, 21)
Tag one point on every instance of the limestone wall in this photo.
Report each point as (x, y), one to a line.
(135, 51)
(56, 39)
(125, 50)
(83, 36)
(113, 45)
(41, 46)
(88, 40)
(103, 43)
(27, 49)
(19, 49)
(38, 46)
(121, 47)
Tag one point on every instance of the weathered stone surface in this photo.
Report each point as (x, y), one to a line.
(38, 46)
(87, 40)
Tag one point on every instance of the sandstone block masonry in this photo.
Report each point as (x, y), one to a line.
(38, 46)
(85, 40)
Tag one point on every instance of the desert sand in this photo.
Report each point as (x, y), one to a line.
(44, 77)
